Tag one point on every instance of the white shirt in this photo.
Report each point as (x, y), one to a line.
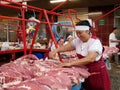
(52, 46)
(112, 37)
(92, 45)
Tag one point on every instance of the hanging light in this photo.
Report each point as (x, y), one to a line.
(93, 13)
(24, 3)
(7, 2)
(56, 1)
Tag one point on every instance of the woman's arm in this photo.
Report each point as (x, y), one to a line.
(114, 40)
(84, 61)
(67, 47)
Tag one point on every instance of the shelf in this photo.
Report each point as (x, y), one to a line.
(11, 51)
(21, 50)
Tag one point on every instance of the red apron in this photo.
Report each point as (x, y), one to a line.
(100, 80)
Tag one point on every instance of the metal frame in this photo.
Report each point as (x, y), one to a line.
(102, 16)
(44, 12)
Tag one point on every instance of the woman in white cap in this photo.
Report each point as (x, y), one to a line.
(89, 51)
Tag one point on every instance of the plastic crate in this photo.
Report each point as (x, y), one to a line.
(76, 87)
(39, 55)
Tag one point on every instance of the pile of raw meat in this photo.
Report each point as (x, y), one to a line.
(109, 51)
(69, 55)
(30, 73)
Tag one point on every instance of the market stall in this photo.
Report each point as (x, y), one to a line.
(28, 72)
(22, 26)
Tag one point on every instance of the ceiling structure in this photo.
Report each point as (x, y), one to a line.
(73, 3)
(45, 4)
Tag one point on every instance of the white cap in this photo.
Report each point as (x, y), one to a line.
(84, 27)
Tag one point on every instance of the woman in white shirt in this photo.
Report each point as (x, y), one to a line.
(113, 41)
(89, 51)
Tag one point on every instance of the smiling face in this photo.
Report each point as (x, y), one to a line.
(83, 35)
(83, 29)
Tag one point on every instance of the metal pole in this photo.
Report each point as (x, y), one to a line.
(53, 37)
(35, 34)
(24, 30)
(58, 6)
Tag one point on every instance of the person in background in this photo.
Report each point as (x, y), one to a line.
(89, 52)
(60, 43)
(113, 41)
(50, 43)
(69, 39)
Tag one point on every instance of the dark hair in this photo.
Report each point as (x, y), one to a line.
(83, 23)
(114, 28)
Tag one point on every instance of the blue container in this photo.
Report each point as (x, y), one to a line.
(39, 55)
(76, 87)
